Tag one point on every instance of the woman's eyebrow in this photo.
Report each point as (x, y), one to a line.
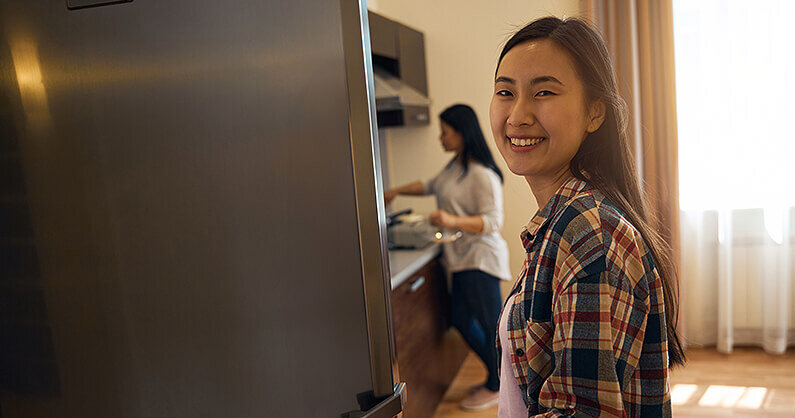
(545, 78)
(537, 80)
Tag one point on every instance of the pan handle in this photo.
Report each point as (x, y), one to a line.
(390, 219)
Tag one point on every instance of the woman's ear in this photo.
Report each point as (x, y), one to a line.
(596, 116)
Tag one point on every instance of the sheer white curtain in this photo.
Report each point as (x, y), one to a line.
(735, 83)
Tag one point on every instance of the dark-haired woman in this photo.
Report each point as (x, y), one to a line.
(589, 327)
(468, 192)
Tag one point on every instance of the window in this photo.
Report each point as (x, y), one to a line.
(735, 83)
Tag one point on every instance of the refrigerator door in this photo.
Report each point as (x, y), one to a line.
(193, 216)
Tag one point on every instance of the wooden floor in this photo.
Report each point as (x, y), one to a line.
(746, 383)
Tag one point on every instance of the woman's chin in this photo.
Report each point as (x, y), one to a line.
(521, 170)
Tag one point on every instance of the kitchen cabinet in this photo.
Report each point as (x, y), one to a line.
(400, 50)
(429, 351)
(411, 62)
(383, 36)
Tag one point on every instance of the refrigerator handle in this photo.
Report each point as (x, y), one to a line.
(387, 408)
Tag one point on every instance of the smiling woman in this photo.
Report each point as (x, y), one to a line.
(590, 325)
(529, 107)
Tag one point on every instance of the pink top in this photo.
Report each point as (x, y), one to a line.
(511, 402)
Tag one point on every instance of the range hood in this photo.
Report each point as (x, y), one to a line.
(401, 87)
(397, 103)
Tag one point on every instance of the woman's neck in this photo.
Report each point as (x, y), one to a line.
(544, 187)
(459, 158)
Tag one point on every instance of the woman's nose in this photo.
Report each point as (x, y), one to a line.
(521, 114)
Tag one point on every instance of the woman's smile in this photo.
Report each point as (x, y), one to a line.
(525, 143)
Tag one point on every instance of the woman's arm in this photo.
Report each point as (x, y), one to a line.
(486, 191)
(596, 348)
(609, 348)
(488, 200)
(413, 189)
(444, 219)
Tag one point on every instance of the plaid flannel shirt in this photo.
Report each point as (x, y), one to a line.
(587, 328)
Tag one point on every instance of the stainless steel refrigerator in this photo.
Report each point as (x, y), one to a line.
(191, 214)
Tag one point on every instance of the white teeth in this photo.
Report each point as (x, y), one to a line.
(520, 142)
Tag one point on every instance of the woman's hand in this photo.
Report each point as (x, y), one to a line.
(443, 219)
(390, 195)
(411, 189)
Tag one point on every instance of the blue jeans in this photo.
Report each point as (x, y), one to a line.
(475, 309)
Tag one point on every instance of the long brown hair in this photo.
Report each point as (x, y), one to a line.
(605, 159)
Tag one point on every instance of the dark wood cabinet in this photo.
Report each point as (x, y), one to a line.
(400, 50)
(430, 353)
(383, 36)
(411, 62)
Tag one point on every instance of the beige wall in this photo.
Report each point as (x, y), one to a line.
(462, 42)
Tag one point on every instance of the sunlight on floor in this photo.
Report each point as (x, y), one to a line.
(681, 393)
(720, 396)
(752, 398)
(725, 396)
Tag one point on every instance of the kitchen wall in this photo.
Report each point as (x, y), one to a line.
(462, 42)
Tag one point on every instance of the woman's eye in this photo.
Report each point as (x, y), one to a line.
(543, 93)
(504, 93)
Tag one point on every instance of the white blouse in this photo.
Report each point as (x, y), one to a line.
(477, 193)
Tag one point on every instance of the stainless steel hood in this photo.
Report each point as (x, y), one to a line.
(391, 93)
(397, 103)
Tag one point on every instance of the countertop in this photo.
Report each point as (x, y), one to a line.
(404, 263)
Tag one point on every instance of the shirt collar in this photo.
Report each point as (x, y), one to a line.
(568, 189)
